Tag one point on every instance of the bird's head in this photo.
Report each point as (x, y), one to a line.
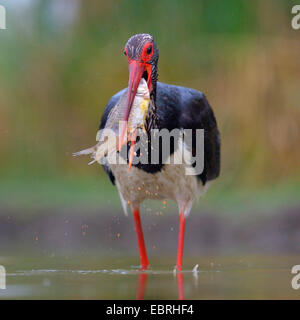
(142, 55)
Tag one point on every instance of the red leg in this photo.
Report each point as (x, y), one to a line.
(140, 237)
(180, 285)
(180, 241)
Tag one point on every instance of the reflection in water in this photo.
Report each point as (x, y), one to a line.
(142, 284)
(180, 286)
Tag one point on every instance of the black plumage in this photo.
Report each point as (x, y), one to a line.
(182, 108)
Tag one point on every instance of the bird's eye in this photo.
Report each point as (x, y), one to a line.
(149, 50)
(125, 53)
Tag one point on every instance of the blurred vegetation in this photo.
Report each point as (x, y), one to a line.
(62, 60)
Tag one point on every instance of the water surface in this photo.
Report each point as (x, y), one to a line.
(267, 277)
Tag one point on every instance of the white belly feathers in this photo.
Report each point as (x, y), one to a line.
(136, 185)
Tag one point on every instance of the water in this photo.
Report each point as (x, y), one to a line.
(267, 277)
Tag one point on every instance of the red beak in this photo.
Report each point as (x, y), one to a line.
(136, 70)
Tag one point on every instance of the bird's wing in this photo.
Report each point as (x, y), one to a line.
(185, 108)
(198, 114)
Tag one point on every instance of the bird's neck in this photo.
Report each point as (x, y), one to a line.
(154, 76)
(152, 118)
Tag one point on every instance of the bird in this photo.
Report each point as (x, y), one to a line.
(167, 107)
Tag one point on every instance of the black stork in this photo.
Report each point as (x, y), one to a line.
(171, 107)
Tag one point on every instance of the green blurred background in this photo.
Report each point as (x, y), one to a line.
(62, 60)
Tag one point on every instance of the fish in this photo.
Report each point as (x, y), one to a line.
(138, 111)
(136, 121)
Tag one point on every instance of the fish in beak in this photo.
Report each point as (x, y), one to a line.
(136, 121)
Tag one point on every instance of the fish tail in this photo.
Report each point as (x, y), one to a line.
(84, 152)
